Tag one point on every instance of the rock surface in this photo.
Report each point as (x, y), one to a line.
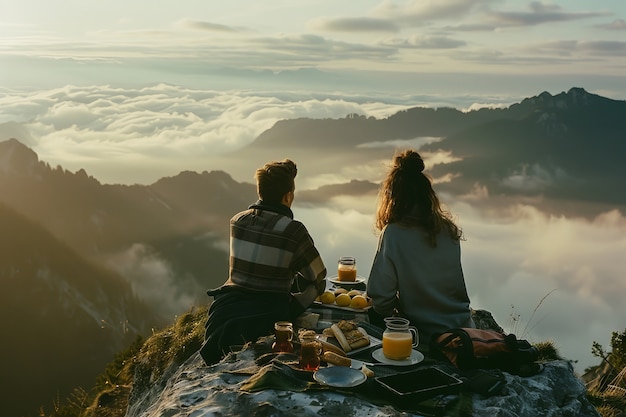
(194, 389)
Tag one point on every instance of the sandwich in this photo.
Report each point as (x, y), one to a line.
(349, 335)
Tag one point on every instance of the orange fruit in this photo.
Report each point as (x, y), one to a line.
(343, 300)
(358, 301)
(327, 297)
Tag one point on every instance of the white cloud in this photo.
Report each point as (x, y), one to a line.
(515, 262)
(419, 11)
(111, 132)
(402, 143)
(519, 257)
(153, 281)
(533, 178)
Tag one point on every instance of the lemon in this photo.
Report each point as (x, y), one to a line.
(358, 301)
(327, 297)
(343, 300)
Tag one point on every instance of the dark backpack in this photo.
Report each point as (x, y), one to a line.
(468, 349)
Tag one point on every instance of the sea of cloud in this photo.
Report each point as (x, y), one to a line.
(138, 135)
(543, 277)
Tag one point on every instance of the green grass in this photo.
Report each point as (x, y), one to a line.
(610, 400)
(142, 362)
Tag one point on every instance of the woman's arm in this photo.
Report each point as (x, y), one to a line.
(382, 285)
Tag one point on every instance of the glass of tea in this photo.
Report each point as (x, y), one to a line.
(310, 351)
(283, 334)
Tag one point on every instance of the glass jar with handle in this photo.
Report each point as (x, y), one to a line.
(283, 334)
(399, 338)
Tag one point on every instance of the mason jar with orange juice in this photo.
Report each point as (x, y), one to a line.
(346, 269)
(399, 338)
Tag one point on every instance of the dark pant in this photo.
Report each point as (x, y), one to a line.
(376, 319)
(236, 317)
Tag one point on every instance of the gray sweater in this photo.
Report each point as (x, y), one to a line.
(425, 284)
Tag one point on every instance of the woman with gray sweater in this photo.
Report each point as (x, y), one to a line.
(417, 271)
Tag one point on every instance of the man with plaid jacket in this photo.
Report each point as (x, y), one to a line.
(275, 271)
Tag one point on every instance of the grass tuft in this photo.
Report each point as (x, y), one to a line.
(548, 351)
(144, 361)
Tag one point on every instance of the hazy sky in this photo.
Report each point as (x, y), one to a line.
(430, 46)
(132, 92)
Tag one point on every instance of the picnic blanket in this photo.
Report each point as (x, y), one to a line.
(279, 371)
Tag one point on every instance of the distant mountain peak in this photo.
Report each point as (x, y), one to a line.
(575, 97)
(577, 90)
(17, 158)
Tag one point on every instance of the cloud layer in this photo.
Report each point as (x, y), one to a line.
(140, 135)
(542, 277)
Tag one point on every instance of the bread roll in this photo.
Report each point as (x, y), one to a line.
(333, 358)
(341, 338)
(349, 335)
(329, 347)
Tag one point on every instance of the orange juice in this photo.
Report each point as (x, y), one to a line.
(348, 275)
(397, 345)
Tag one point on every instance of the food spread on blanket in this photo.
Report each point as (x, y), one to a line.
(349, 336)
(337, 340)
(343, 298)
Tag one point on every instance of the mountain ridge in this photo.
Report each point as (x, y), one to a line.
(547, 146)
(61, 312)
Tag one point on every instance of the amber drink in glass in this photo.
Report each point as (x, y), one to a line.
(310, 351)
(346, 269)
(283, 334)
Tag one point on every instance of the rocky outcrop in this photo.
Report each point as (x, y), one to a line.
(195, 389)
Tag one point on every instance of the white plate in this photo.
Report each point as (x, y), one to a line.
(339, 376)
(416, 357)
(335, 280)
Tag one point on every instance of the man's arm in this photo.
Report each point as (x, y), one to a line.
(311, 279)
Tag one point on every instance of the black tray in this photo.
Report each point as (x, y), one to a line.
(420, 384)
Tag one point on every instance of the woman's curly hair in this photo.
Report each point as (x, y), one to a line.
(407, 197)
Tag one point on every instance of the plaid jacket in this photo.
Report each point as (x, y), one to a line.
(268, 249)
